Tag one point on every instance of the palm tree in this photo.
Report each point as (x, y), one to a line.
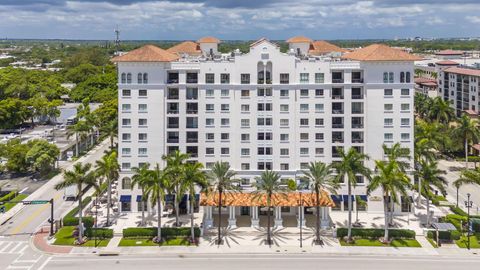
(174, 170)
(467, 177)
(351, 165)
(393, 181)
(80, 176)
(396, 153)
(142, 178)
(193, 177)
(268, 186)
(155, 189)
(221, 180)
(110, 130)
(319, 177)
(430, 177)
(440, 111)
(108, 168)
(422, 104)
(80, 131)
(466, 130)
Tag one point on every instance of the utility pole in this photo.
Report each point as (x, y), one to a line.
(117, 40)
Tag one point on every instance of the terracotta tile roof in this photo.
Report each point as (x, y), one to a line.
(423, 80)
(208, 40)
(299, 39)
(449, 52)
(380, 52)
(320, 47)
(463, 71)
(446, 63)
(147, 53)
(188, 47)
(248, 199)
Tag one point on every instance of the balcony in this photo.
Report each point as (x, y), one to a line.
(192, 77)
(192, 111)
(172, 140)
(357, 80)
(173, 125)
(172, 112)
(337, 125)
(337, 80)
(172, 77)
(357, 96)
(337, 111)
(357, 77)
(357, 125)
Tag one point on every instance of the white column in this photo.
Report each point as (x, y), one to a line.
(232, 221)
(325, 220)
(254, 215)
(208, 221)
(300, 216)
(278, 217)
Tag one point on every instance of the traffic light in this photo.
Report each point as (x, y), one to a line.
(2, 209)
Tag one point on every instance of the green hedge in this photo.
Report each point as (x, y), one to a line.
(152, 232)
(376, 233)
(456, 220)
(74, 211)
(444, 235)
(101, 233)
(457, 210)
(73, 221)
(470, 159)
(9, 196)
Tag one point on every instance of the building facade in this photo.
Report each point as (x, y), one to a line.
(460, 86)
(263, 110)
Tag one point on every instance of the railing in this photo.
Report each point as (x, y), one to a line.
(357, 125)
(357, 80)
(334, 111)
(337, 96)
(170, 81)
(173, 125)
(192, 80)
(357, 140)
(172, 140)
(284, 81)
(337, 140)
(172, 112)
(172, 97)
(192, 140)
(357, 96)
(260, 81)
(357, 111)
(337, 125)
(192, 111)
(337, 80)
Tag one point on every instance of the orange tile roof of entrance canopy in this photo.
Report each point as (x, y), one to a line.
(247, 199)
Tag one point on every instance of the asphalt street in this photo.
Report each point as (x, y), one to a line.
(252, 262)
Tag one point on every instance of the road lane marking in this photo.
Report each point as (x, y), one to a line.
(17, 246)
(6, 246)
(34, 215)
(45, 263)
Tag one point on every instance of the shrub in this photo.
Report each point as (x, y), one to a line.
(9, 196)
(475, 224)
(376, 233)
(73, 221)
(456, 220)
(74, 211)
(101, 233)
(444, 235)
(457, 210)
(152, 232)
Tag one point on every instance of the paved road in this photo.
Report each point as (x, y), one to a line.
(251, 262)
(28, 220)
(15, 253)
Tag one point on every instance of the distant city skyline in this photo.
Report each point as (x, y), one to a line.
(238, 20)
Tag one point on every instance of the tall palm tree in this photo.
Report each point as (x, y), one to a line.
(142, 178)
(80, 131)
(268, 186)
(174, 170)
(80, 176)
(441, 111)
(431, 177)
(194, 177)
(393, 181)
(109, 169)
(422, 104)
(351, 165)
(466, 129)
(467, 177)
(319, 177)
(110, 130)
(221, 180)
(155, 189)
(397, 154)
(430, 131)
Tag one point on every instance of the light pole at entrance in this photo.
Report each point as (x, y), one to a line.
(468, 204)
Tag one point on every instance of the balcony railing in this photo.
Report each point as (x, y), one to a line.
(357, 96)
(173, 125)
(357, 80)
(172, 140)
(337, 96)
(337, 111)
(337, 140)
(260, 81)
(192, 80)
(357, 125)
(192, 111)
(357, 111)
(337, 80)
(357, 140)
(192, 140)
(172, 112)
(170, 81)
(337, 125)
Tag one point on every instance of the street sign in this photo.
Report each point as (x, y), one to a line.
(35, 202)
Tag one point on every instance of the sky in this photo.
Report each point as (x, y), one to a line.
(238, 19)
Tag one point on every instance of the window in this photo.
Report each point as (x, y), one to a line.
(140, 78)
(319, 137)
(209, 165)
(284, 107)
(388, 122)
(264, 151)
(388, 137)
(319, 92)
(126, 136)
(225, 122)
(126, 93)
(264, 165)
(209, 107)
(126, 151)
(225, 78)
(142, 107)
(192, 108)
(129, 78)
(284, 122)
(405, 136)
(225, 151)
(319, 107)
(388, 92)
(173, 93)
(284, 152)
(402, 77)
(225, 107)
(192, 77)
(209, 151)
(126, 166)
(124, 78)
(209, 78)
(405, 107)
(304, 77)
(304, 165)
(209, 122)
(126, 183)
(284, 166)
(264, 121)
(405, 92)
(319, 122)
(142, 137)
(142, 93)
(245, 108)
(304, 92)
(303, 121)
(284, 93)
(245, 151)
(225, 93)
(209, 93)
(390, 77)
(210, 136)
(126, 122)
(126, 107)
(245, 137)
(245, 167)
(284, 78)
(264, 136)
(405, 122)
(264, 92)
(304, 136)
(319, 151)
(173, 122)
(145, 77)
(385, 77)
(319, 78)
(245, 93)
(388, 107)
(245, 78)
(142, 151)
(407, 77)
(172, 137)
(303, 107)
(192, 93)
(264, 106)
(225, 136)
(284, 137)
(192, 122)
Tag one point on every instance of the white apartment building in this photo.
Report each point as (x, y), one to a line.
(263, 110)
(460, 86)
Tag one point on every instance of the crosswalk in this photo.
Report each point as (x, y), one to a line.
(13, 247)
(17, 254)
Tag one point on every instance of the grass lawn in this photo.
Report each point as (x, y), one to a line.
(19, 197)
(377, 243)
(462, 243)
(139, 242)
(64, 238)
(432, 242)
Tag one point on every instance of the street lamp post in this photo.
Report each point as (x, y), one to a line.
(468, 204)
(301, 219)
(96, 223)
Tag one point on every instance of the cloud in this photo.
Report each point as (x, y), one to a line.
(473, 19)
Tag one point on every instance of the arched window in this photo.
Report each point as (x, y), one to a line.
(402, 77)
(124, 78)
(139, 78)
(126, 183)
(145, 77)
(129, 78)
(385, 77)
(408, 77)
